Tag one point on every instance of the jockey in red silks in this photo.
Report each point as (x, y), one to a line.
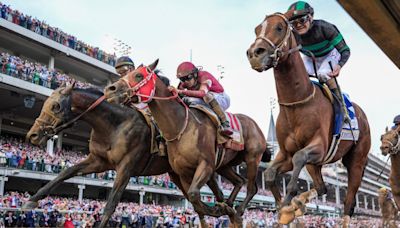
(201, 87)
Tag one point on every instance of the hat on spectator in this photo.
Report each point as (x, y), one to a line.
(124, 61)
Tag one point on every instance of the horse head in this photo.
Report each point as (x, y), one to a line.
(137, 86)
(56, 110)
(274, 42)
(390, 141)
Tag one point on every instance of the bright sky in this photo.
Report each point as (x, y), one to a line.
(219, 33)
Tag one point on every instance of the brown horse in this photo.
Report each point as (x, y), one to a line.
(191, 138)
(391, 145)
(304, 125)
(120, 140)
(388, 208)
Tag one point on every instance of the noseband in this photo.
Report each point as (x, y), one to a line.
(278, 49)
(394, 149)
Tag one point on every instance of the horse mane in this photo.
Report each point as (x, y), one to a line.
(91, 90)
(163, 78)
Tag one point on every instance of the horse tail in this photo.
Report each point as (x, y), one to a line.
(266, 157)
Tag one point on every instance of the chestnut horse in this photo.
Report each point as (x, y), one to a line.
(305, 121)
(191, 138)
(391, 145)
(120, 140)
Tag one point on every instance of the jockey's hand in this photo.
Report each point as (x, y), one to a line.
(172, 89)
(336, 71)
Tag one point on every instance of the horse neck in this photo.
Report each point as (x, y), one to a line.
(100, 117)
(169, 114)
(395, 164)
(291, 78)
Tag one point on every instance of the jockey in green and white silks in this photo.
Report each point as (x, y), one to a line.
(324, 41)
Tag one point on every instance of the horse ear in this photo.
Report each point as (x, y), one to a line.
(386, 129)
(153, 65)
(289, 14)
(63, 84)
(69, 88)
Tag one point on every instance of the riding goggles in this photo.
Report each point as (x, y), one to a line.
(186, 78)
(301, 20)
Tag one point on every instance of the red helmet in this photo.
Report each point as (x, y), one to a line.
(185, 68)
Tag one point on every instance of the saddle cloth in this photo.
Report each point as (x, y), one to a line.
(153, 129)
(236, 141)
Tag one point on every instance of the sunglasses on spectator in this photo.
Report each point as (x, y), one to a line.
(300, 20)
(186, 78)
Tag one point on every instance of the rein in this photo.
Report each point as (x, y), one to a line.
(278, 52)
(132, 91)
(52, 126)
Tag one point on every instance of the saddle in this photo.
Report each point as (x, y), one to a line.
(155, 133)
(235, 141)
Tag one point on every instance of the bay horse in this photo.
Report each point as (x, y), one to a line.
(391, 145)
(120, 140)
(305, 121)
(191, 139)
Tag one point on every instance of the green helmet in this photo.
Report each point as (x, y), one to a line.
(300, 8)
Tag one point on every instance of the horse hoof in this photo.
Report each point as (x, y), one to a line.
(286, 215)
(346, 221)
(30, 205)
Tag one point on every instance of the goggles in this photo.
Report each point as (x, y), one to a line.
(186, 78)
(301, 20)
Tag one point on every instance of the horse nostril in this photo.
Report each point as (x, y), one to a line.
(33, 136)
(112, 88)
(259, 51)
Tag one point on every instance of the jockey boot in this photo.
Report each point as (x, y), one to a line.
(342, 105)
(226, 128)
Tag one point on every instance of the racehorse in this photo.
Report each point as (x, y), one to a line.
(391, 145)
(388, 208)
(191, 139)
(120, 140)
(304, 125)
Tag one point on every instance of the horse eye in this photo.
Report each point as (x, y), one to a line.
(139, 77)
(56, 107)
(279, 28)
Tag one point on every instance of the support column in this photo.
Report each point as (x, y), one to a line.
(284, 186)
(186, 203)
(308, 186)
(141, 195)
(50, 147)
(3, 180)
(237, 169)
(219, 180)
(262, 180)
(60, 140)
(324, 198)
(357, 201)
(337, 194)
(373, 203)
(51, 62)
(365, 202)
(81, 188)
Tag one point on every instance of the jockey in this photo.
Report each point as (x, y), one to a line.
(200, 87)
(124, 65)
(396, 121)
(325, 41)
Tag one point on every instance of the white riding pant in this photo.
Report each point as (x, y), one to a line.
(223, 100)
(322, 64)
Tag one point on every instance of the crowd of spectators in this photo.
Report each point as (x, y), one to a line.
(56, 211)
(34, 72)
(57, 35)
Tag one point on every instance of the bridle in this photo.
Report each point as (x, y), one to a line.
(133, 91)
(50, 128)
(394, 149)
(278, 49)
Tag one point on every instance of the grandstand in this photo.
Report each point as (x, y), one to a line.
(22, 93)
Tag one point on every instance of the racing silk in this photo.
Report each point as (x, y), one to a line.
(203, 78)
(322, 38)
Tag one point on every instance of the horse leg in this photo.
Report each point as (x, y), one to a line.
(89, 165)
(281, 164)
(235, 179)
(213, 184)
(316, 175)
(120, 183)
(252, 168)
(310, 154)
(355, 163)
